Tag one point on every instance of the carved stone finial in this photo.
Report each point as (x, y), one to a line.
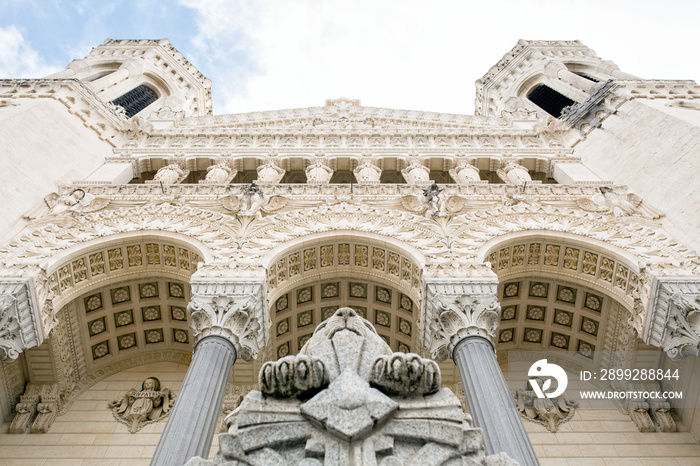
(233, 310)
(347, 399)
(457, 310)
(20, 322)
(137, 408)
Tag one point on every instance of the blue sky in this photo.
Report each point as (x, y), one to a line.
(271, 54)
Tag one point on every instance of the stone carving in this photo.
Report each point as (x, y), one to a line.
(512, 173)
(549, 412)
(270, 173)
(20, 321)
(465, 173)
(37, 408)
(220, 173)
(235, 311)
(619, 205)
(367, 173)
(661, 414)
(639, 413)
(77, 201)
(253, 202)
(455, 311)
(346, 399)
(170, 174)
(138, 408)
(318, 173)
(683, 327)
(416, 173)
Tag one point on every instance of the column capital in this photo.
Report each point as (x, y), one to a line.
(20, 319)
(673, 316)
(230, 308)
(458, 308)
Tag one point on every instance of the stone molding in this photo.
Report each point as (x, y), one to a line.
(673, 316)
(232, 309)
(20, 318)
(456, 309)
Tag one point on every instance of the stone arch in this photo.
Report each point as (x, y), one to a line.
(312, 276)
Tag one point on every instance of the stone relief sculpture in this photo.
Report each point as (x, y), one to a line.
(253, 202)
(270, 173)
(347, 399)
(549, 412)
(367, 173)
(138, 408)
(618, 204)
(465, 173)
(512, 173)
(220, 173)
(76, 202)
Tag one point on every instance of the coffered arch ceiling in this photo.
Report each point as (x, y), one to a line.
(311, 279)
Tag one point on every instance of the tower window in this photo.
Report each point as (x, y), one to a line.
(136, 100)
(549, 100)
(590, 78)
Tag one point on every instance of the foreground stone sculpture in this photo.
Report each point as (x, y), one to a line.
(347, 399)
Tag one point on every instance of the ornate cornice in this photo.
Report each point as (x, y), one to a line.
(457, 308)
(234, 309)
(20, 318)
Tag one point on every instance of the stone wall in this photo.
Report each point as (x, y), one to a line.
(88, 433)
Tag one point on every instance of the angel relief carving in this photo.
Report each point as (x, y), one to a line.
(138, 408)
(253, 202)
(433, 202)
(75, 202)
(618, 204)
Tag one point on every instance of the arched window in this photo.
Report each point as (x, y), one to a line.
(549, 100)
(136, 100)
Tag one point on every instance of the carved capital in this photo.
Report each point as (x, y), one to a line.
(673, 317)
(233, 309)
(20, 319)
(457, 309)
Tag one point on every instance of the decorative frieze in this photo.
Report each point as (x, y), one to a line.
(232, 309)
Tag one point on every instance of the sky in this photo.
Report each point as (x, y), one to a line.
(405, 54)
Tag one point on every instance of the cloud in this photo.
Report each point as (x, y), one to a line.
(18, 58)
(296, 53)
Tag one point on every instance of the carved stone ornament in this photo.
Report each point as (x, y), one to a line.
(220, 173)
(457, 310)
(673, 320)
(549, 412)
(347, 399)
(170, 174)
(138, 408)
(233, 310)
(416, 173)
(270, 173)
(367, 173)
(318, 173)
(650, 415)
(465, 173)
(512, 173)
(20, 320)
(37, 409)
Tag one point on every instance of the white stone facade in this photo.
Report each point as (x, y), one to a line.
(129, 230)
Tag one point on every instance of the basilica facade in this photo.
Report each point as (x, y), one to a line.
(161, 267)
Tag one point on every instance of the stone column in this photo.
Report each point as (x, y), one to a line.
(227, 321)
(461, 320)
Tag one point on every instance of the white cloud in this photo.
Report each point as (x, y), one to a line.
(18, 58)
(405, 54)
